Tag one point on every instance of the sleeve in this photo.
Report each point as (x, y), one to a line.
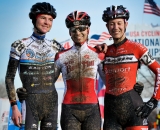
(16, 49)
(9, 79)
(57, 46)
(57, 72)
(154, 66)
(57, 66)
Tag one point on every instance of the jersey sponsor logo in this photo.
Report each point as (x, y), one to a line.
(121, 51)
(34, 46)
(117, 90)
(47, 84)
(40, 56)
(34, 85)
(35, 79)
(86, 56)
(39, 67)
(150, 105)
(48, 72)
(145, 122)
(47, 78)
(48, 124)
(87, 64)
(31, 73)
(118, 70)
(34, 67)
(144, 128)
(120, 59)
(34, 126)
(71, 66)
(30, 53)
(46, 67)
(44, 55)
(147, 59)
(37, 72)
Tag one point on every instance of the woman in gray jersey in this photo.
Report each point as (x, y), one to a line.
(34, 58)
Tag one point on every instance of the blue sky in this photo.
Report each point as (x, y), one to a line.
(15, 23)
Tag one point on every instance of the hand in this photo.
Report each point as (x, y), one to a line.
(102, 47)
(138, 87)
(22, 94)
(16, 116)
(146, 108)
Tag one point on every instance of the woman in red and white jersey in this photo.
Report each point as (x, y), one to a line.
(78, 64)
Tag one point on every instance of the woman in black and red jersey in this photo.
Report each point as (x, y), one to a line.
(124, 108)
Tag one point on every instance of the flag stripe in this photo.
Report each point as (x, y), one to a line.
(97, 39)
(66, 44)
(150, 7)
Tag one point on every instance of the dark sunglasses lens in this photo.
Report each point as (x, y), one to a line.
(83, 28)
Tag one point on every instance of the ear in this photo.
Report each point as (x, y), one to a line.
(107, 26)
(69, 33)
(126, 24)
(88, 30)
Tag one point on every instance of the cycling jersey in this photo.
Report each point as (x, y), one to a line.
(120, 69)
(79, 69)
(34, 58)
(80, 104)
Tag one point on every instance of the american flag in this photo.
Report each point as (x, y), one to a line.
(100, 93)
(150, 7)
(66, 44)
(101, 88)
(97, 39)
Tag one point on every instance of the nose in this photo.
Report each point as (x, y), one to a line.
(115, 26)
(77, 31)
(46, 21)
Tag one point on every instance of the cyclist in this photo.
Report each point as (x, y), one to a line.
(85, 108)
(80, 108)
(124, 108)
(34, 58)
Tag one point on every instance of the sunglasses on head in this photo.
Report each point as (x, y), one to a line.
(80, 28)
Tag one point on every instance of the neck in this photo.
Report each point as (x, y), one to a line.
(118, 40)
(38, 36)
(37, 31)
(80, 43)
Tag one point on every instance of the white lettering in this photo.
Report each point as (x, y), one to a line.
(121, 70)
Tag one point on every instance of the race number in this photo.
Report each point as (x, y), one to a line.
(147, 59)
(18, 45)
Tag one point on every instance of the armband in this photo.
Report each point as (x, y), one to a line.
(13, 103)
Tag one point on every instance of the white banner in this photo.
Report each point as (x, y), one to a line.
(4, 113)
(147, 35)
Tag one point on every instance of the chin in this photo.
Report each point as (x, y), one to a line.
(116, 37)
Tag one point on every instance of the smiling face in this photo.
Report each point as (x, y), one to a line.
(79, 34)
(117, 28)
(44, 23)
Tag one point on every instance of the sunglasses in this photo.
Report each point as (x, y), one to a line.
(80, 29)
